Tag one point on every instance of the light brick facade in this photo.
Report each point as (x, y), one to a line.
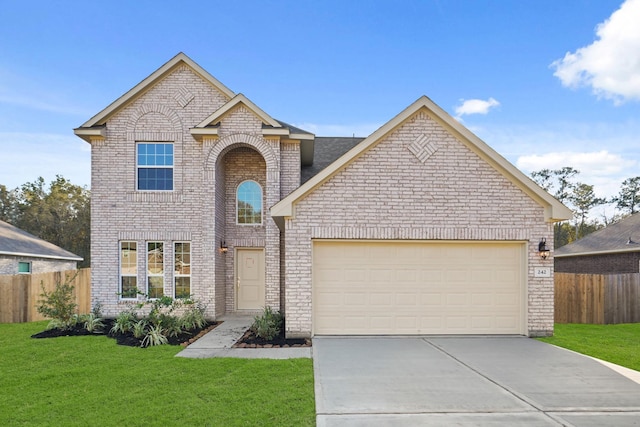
(418, 182)
(201, 207)
(390, 193)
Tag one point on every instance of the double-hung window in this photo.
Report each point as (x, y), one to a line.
(155, 269)
(182, 269)
(155, 166)
(128, 270)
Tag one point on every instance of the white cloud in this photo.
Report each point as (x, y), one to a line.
(611, 64)
(359, 130)
(475, 106)
(602, 169)
(26, 156)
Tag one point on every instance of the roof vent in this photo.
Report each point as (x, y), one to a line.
(631, 242)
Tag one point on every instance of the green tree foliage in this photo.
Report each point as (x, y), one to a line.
(558, 182)
(8, 203)
(628, 200)
(576, 195)
(583, 200)
(59, 213)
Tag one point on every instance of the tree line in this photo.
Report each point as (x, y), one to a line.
(59, 213)
(563, 184)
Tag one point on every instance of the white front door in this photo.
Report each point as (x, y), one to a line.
(250, 279)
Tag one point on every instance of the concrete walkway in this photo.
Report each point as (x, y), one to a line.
(219, 342)
(466, 381)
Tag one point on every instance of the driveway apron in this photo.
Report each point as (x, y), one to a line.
(370, 381)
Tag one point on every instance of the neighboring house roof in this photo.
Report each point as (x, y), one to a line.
(17, 242)
(554, 210)
(326, 151)
(623, 236)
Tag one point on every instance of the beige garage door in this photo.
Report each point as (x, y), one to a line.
(367, 288)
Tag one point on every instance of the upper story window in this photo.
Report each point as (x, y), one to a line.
(249, 203)
(155, 166)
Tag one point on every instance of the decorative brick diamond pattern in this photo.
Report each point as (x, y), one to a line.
(183, 96)
(423, 148)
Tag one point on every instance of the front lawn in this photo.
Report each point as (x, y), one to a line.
(90, 380)
(619, 344)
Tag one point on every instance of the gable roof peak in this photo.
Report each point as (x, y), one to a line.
(233, 103)
(554, 210)
(181, 58)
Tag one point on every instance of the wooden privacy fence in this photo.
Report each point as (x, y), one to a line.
(597, 298)
(20, 293)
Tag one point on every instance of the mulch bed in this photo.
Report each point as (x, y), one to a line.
(250, 340)
(127, 339)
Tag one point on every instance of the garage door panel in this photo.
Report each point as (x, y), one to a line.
(355, 276)
(460, 299)
(406, 299)
(406, 275)
(355, 299)
(482, 300)
(381, 299)
(330, 275)
(431, 299)
(506, 300)
(329, 299)
(456, 275)
(418, 288)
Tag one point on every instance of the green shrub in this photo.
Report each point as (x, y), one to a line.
(59, 324)
(59, 305)
(155, 336)
(161, 321)
(140, 328)
(268, 324)
(193, 318)
(93, 323)
(124, 322)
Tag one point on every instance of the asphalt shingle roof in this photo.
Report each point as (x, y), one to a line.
(14, 241)
(623, 236)
(326, 150)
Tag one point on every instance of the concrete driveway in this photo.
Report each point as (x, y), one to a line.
(466, 381)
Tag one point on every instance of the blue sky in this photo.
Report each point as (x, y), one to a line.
(546, 83)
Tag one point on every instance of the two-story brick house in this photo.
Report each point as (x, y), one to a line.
(419, 228)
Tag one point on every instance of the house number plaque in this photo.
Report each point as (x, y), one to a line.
(542, 272)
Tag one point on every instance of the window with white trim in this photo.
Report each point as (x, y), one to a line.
(24, 267)
(128, 270)
(154, 166)
(249, 203)
(155, 269)
(182, 269)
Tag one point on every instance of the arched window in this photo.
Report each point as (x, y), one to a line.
(249, 203)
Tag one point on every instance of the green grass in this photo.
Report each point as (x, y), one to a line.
(619, 344)
(91, 381)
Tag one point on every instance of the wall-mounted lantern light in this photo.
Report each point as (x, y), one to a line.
(223, 247)
(543, 251)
